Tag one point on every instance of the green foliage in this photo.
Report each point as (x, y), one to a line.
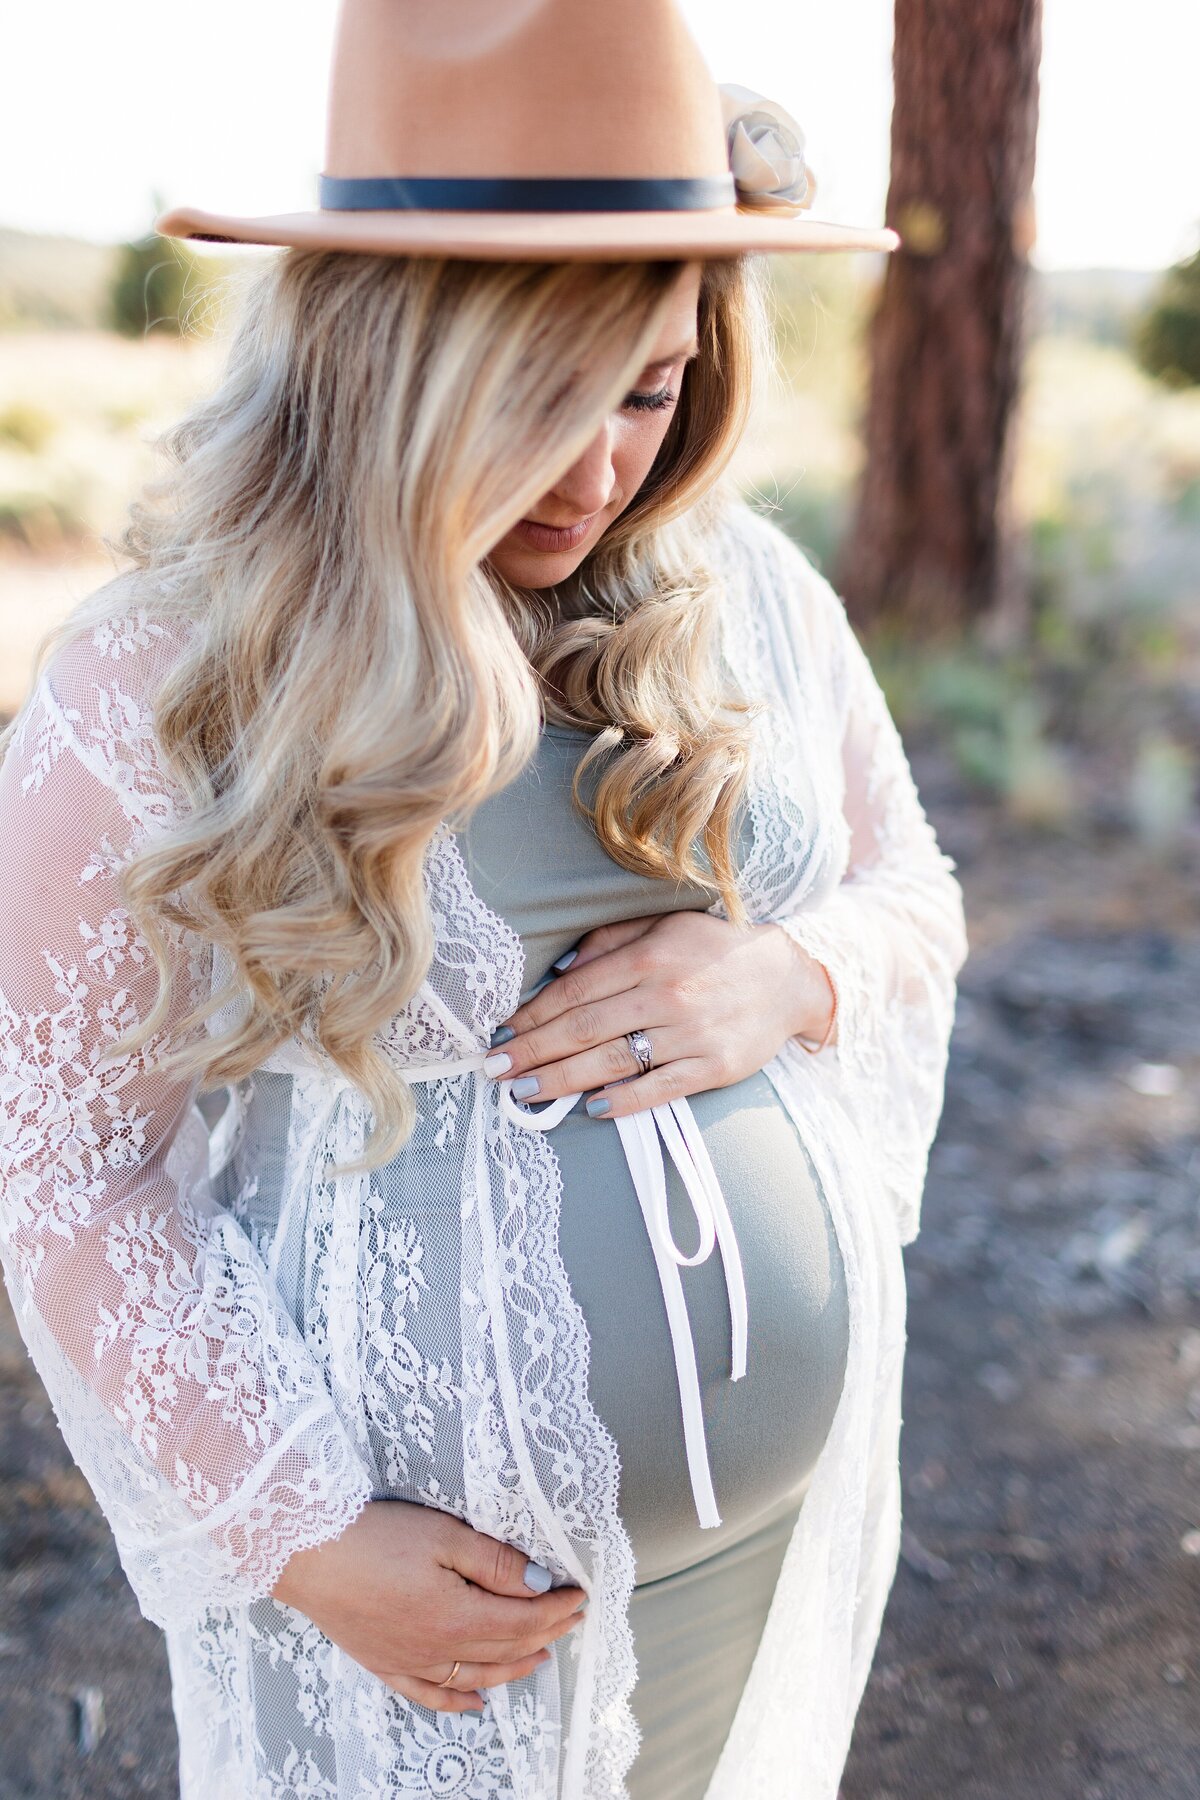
(1084, 720)
(62, 283)
(159, 284)
(1167, 336)
(989, 712)
(150, 288)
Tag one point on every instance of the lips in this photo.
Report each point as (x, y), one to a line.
(553, 537)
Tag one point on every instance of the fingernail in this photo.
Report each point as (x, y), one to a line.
(496, 1065)
(564, 962)
(528, 1084)
(597, 1107)
(502, 1034)
(537, 1577)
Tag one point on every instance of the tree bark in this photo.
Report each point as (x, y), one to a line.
(931, 545)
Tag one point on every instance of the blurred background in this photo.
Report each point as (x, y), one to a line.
(991, 442)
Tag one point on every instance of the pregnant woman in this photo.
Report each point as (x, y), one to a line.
(476, 974)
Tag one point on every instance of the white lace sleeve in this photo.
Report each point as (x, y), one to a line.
(892, 935)
(185, 1391)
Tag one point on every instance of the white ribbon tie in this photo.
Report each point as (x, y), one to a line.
(642, 1136)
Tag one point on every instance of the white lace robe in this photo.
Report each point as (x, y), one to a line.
(237, 1372)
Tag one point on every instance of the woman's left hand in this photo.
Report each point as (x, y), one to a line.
(717, 1002)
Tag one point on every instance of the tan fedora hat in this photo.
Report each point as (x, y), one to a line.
(547, 129)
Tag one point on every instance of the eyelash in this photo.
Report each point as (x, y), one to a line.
(650, 402)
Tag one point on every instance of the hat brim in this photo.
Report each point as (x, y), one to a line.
(556, 237)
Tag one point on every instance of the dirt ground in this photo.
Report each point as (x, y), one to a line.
(1042, 1641)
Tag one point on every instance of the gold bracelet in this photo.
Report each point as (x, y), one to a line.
(814, 1050)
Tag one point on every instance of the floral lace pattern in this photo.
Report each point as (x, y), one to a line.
(183, 1389)
(243, 1348)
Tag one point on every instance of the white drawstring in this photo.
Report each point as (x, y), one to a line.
(685, 1145)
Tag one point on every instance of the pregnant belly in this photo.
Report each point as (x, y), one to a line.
(765, 1431)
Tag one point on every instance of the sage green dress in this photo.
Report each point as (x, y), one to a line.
(702, 1594)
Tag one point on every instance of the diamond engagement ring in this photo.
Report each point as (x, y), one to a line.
(641, 1047)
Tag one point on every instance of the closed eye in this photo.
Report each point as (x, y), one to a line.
(663, 397)
(657, 398)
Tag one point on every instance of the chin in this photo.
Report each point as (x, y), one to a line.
(536, 568)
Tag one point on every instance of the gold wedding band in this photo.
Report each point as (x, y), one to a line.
(451, 1675)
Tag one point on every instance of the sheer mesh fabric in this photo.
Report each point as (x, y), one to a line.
(243, 1348)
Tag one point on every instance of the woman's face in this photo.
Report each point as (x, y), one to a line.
(568, 521)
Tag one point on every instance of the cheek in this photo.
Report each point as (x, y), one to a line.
(638, 445)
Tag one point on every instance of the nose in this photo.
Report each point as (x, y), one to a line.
(587, 487)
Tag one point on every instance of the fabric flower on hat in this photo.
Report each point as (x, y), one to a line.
(766, 151)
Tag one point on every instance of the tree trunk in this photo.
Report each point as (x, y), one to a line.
(931, 545)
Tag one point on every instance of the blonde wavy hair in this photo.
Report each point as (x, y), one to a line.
(357, 672)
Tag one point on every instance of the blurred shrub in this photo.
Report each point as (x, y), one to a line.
(1038, 784)
(26, 427)
(124, 416)
(965, 695)
(153, 289)
(1161, 788)
(991, 714)
(1166, 339)
(54, 282)
(1085, 725)
(42, 523)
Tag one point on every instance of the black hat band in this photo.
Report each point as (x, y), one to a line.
(524, 193)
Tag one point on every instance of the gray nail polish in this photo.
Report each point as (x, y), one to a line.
(537, 1577)
(502, 1034)
(565, 961)
(599, 1106)
(497, 1063)
(527, 1085)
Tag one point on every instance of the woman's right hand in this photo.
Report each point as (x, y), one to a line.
(408, 1591)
